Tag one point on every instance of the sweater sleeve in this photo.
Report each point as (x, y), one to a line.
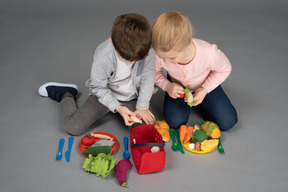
(147, 82)
(160, 78)
(98, 83)
(220, 69)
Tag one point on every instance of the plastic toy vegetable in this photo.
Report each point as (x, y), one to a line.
(121, 171)
(187, 137)
(198, 135)
(189, 97)
(88, 140)
(210, 128)
(102, 164)
(185, 133)
(94, 151)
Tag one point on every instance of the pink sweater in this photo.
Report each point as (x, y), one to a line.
(209, 68)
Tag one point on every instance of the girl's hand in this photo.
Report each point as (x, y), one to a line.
(174, 90)
(199, 95)
(125, 113)
(146, 116)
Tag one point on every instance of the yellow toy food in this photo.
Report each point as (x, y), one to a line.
(163, 128)
(207, 145)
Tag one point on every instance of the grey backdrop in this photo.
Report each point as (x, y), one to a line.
(52, 40)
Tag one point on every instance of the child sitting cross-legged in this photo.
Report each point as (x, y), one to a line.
(121, 80)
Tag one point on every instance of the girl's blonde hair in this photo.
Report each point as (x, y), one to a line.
(171, 30)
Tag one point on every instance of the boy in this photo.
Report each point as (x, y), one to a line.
(121, 80)
(191, 63)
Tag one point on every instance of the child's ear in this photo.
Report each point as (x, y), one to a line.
(191, 44)
(110, 39)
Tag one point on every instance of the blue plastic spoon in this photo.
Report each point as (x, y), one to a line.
(126, 154)
(59, 154)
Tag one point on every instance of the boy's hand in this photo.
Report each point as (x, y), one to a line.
(199, 96)
(174, 90)
(146, 116)
(125, 113)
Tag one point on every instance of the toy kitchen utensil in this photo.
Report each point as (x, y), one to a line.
(59, 154)
(68, 152)
(179, 145)
(174, 144)
(126, 154)
(220, 148)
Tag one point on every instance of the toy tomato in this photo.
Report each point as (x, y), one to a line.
(88, 140)
(181, 95)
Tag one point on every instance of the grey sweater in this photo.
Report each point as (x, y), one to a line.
(103, 68)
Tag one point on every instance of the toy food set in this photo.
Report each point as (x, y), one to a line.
(146, 146)
(147, 149)
(163, 128)
(98, 142)
(202, 138)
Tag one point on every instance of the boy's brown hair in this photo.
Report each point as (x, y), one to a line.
(171, 30)
(131, 36)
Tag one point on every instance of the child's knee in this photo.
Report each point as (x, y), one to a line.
(73, 129)
(227, 125)
(175, 124)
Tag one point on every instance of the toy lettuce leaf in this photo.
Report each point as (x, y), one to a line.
(102, 164)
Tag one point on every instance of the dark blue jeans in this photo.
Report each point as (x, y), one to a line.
(216, 105)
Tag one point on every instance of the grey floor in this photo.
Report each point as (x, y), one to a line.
(45, 40)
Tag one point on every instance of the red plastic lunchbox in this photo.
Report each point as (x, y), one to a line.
(142, 139)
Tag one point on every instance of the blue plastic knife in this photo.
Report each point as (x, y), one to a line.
(68, 152)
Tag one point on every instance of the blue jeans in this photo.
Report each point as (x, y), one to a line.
(216, 105)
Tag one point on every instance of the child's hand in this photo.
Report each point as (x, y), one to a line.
(199, 95)
(174, 90)
(146, 116)
(125, 113)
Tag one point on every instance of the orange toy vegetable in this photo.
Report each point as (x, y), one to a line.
(183, 132)
(187, 136)
(210, 128)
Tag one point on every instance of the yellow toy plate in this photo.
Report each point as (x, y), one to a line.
(192, 150)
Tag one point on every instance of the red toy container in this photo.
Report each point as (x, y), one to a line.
(142, 139)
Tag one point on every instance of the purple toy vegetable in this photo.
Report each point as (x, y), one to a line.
(121, 171)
